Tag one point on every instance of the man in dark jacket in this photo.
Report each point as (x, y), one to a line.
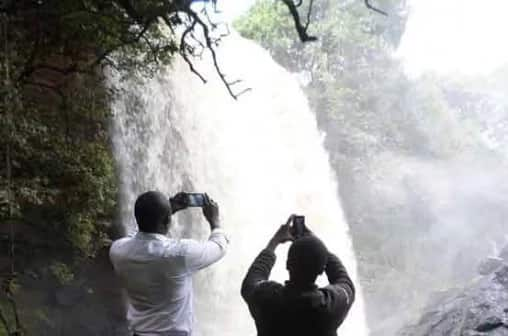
(299, 307)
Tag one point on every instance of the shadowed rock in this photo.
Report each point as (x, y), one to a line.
(479, 309)
(489, 265)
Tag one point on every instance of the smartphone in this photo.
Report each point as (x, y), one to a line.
(298, 226)
(195, 200)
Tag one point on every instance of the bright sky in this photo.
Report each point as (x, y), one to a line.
(446, 36)
(234, 8)
(464, 36)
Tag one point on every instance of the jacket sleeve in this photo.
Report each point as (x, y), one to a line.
(341, 291)
(258, 273)
(199, 255)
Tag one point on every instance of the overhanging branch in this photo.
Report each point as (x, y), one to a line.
(300, 28)
(184, 51)
(369, 6)
(210, 44)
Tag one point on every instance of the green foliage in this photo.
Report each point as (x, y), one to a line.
(62, 273)
(269, 23)
(347, 31)
(69, 35)
(54, 122)
(41, 315)
(8, 314)
(63, 179)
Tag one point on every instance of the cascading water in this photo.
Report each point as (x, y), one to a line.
(261, 158)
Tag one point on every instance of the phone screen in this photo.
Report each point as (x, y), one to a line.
(298, 226)
(195, 200)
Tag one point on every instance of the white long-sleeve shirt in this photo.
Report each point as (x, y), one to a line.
(157, 273)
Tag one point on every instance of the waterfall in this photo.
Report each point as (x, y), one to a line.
(261, 158)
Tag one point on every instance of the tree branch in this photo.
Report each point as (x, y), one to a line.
(124, 43)
(301, 29)
(183, 51)
(210, 46)
(369, 6)
(136, 21)
(55, 89)
(309, 13)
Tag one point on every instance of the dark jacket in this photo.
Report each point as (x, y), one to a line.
(285, 310)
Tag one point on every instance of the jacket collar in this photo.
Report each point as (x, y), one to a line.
(300, 288)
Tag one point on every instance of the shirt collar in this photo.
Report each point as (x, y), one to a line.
(150, 236)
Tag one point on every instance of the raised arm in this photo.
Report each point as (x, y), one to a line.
(341, 286)
(202, 254)
(259, 271)
(199, 255)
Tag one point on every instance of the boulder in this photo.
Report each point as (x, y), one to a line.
(479, 309)
(504, 254)
(489, 265)
(68, 296)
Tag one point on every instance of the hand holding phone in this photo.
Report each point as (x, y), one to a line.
(183, 200)
(211, 212)
(282, 235)
(298, 229)
(195, 200)
(178, 202)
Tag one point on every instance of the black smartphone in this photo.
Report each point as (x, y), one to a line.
(298, 226)
(195, 200)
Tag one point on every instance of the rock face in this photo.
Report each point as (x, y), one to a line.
(479, 309)
(92, 304)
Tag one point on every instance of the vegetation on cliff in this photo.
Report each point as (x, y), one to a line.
(57, 177)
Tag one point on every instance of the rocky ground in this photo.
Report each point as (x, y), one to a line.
(90, 304)
(479, 309)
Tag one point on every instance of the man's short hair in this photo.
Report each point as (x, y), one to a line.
(307, 257)
(151, 208)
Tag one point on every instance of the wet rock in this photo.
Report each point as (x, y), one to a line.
(69, 296)
(504, 254)
(501, 276)
(489, 265)
(490, 323)
(479, 309)
(92, 305)
(32, 274)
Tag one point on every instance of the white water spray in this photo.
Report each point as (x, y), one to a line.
(261, 158)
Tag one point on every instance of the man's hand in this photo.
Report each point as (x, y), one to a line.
(305, 232)
(178, 202)
(282, 235)
(211, 212)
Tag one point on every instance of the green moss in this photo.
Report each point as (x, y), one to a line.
(62, 273)
(42, 315)
(8, 314)
(63, 182)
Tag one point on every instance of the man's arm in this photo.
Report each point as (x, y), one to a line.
(199, 255)
(341, 286)
(259, 271)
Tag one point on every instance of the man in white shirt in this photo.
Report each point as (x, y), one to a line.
(157, 270)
